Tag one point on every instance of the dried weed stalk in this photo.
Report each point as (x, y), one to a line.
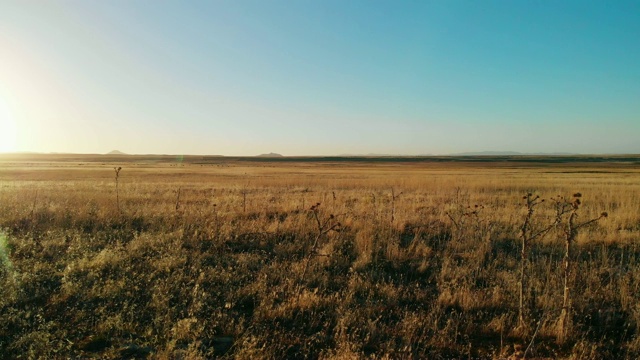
(324, 226)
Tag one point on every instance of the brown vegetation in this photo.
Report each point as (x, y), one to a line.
(294, 259)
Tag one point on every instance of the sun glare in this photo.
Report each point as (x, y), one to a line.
(8, 131)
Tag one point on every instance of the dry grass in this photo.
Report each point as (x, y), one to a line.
(226, 259)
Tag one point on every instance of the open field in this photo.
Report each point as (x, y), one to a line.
(202, 257)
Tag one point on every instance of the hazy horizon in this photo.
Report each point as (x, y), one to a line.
(303, 78)
(372, 155)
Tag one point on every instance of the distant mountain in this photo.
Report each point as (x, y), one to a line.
(473, 153)
(506, 153)
(371, 155)
(270, 155)
(488, 153)
(116, 152)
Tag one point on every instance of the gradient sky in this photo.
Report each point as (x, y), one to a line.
(320, 77)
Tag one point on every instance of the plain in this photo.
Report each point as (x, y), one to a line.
(202, 257)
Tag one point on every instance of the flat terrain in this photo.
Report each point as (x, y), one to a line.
(381, 257)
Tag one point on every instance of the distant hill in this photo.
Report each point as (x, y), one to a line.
(372, 155)
(506, 153)
(116, 152)
(487, 153)
(270, 155)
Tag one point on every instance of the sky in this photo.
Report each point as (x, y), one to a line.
(323, 77)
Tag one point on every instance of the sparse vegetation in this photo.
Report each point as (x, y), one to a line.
(226, 259)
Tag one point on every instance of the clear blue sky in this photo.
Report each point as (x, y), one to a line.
(320, 77)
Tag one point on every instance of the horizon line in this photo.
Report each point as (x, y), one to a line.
(369, 155)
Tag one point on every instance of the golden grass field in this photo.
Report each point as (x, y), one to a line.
(206, 257)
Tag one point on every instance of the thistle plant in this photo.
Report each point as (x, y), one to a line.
(244, 199)
(324, 226)
(528, 233)
(117, 171)
(467, 221)
(566, 207)
(394, 196)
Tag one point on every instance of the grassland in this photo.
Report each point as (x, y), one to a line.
(205, 257)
